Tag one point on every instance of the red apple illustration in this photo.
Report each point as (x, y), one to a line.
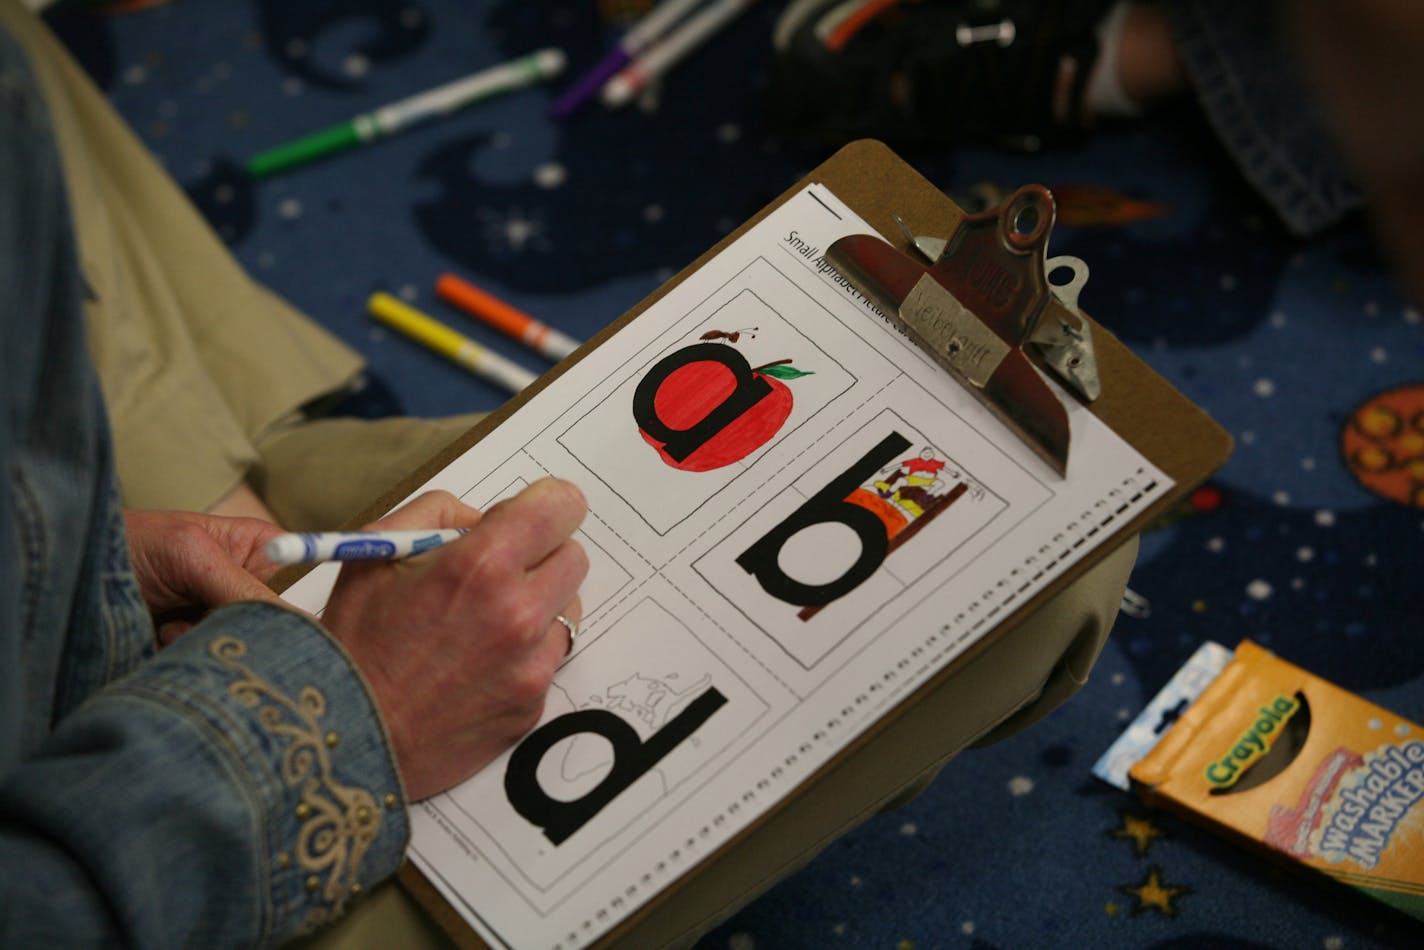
(689, 393)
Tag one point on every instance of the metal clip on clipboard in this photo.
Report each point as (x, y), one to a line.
(983, 296)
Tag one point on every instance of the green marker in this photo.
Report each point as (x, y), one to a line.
(390, 119)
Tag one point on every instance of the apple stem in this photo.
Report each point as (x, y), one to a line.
(758, 369)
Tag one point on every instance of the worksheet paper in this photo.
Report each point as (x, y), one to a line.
(796, 518)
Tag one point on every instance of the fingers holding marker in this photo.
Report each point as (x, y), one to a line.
(530, 538)
(466, 633)
(424, 524)
(435, 509)
(531, 526)
(493, 551)
(560, 575)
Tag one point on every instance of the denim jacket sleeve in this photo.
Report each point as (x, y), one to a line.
(235, 789)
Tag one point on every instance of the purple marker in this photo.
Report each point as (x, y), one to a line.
(638, 38)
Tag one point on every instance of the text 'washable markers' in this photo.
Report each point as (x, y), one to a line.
(390, 119)
(311, 547)
(457, 348)
(507, 319)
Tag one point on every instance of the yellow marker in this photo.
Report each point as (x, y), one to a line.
(431, 333)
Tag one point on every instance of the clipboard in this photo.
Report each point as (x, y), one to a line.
(1137, 403)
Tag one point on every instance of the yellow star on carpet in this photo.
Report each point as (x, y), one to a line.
(1141, 831)
(1153, 893)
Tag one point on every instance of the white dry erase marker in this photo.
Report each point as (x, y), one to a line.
(308, 548)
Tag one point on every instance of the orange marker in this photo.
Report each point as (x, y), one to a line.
(511, 321)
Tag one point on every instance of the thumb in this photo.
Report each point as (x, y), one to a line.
(219, 581)
(212, 584)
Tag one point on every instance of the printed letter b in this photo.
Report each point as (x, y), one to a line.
(762, 559)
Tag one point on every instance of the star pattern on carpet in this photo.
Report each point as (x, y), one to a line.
(1153, 893)
(1139, 829)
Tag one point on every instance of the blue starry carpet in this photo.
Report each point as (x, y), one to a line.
(1293, 346)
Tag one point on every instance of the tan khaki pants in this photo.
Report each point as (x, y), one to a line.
(204, 371)
(197, 361)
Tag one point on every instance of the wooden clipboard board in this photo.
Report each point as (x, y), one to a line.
(1173, 433)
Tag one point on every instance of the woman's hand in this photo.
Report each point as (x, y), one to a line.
(188, 564)
(459, 644)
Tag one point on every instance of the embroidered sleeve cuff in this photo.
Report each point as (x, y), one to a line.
(310, 749)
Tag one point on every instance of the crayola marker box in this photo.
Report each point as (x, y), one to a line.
(1286, 760)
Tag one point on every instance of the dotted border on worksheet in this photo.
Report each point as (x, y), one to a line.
(1073, 537)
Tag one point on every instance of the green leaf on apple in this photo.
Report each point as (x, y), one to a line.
(784, 372)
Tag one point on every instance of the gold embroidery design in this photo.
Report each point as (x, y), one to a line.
(338, 822)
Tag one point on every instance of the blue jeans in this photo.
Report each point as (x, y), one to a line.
(233, 790)
(1262, 109)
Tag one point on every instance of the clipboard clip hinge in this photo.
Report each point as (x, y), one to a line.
(980, 301)
(1062, 337)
